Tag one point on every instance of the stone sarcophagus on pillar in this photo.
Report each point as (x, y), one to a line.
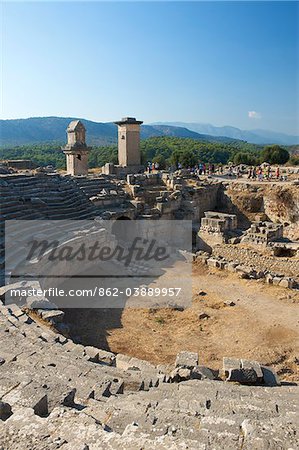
(129, 142)
(76, 150)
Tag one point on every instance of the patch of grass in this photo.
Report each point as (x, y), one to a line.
(160, 320)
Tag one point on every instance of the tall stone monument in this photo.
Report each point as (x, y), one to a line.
(129, 143)
(76, 150)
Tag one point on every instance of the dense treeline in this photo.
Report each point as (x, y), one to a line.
(166, 150)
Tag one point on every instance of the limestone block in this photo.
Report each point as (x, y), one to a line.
(5, 410)
(125, 362)
(230, 363)
(106, 357)
(287, 283)
(92, 353)
(60, 339)
(247, 364)
(180, 374)
(68, 397)
(270, 377)
(186, 359)
(276, 281)
(133, 385)
(242, 376)
(52, 316)
(212, 262)
(269, 278)
(36, 302)
(122, 361)
(231, 266)
(117, 386)
(102, 389)
(201, 373)
(29, 396)
(229, 303)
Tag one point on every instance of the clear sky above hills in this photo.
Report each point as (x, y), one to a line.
(226, 63)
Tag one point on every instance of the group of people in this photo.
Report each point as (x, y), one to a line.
(263, 173)
(259, 173)
(152, 166)
(203, 169)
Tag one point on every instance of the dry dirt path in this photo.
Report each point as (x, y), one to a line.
(267, 303)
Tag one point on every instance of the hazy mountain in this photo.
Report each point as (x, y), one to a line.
(254, 136)
(47, 129)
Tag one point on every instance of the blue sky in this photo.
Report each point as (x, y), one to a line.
(225, 63)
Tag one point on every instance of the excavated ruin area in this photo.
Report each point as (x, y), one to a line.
(229, 316)
(274, 201)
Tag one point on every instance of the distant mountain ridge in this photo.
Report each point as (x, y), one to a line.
(48, 129)
(253, 136)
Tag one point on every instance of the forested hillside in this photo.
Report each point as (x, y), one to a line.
(168, 150)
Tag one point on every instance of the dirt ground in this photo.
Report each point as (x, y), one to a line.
(262, 324)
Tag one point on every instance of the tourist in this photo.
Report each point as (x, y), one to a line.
(277, 173)
(269, 172)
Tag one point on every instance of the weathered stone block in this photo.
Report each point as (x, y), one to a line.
(212, 262)
(270, 377)
(39, 303)
(242, 376)
(186, 359)
(247, 364)
(5, 410)
(276, 281)
(52, 316)
(68, 398)
(287, 283)
(102, 389)
(230, 363)
(92, 353)
(180, 374)
(231, 266)
(202, 373)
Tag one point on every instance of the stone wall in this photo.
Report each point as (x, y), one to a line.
(260, 262)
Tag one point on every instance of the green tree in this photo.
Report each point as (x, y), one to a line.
(294, 160)
(160, 160)
(175, 157)
(188, 159)
(274, 154)
(244, 158)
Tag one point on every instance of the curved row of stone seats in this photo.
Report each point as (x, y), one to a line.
(93, 186)
(47, 196)
(57, 394)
